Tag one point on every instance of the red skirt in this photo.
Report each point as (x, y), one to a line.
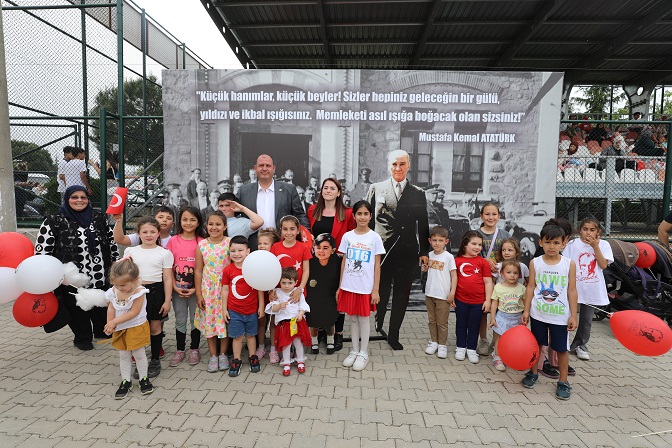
(354, 304)
(283, 338)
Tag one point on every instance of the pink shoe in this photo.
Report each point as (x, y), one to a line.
(260, 352)
(274, 357)
(178, 357)
(194, 357)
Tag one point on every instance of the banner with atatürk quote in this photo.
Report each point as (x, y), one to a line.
(473, 137)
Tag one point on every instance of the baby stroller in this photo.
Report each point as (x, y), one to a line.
(633, 288)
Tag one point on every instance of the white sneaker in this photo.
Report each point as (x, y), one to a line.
(483, 347)
(442, 352)
(499, 365)
(350, 360)
(582, 354)
(473, 356)
(431, 347)
(361, 362)
(460, 353)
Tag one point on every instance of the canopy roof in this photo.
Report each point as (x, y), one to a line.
(593, 41)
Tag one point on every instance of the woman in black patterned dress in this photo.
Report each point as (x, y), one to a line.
(80, 234)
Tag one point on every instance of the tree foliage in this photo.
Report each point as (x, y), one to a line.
(37, 160)
(667, 104)
(596, 99)
(133, 128)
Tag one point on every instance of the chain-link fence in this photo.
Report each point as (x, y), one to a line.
(614, 171)
(67, 60)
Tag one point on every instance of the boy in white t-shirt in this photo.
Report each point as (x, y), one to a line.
(439, 290)
(551, 305)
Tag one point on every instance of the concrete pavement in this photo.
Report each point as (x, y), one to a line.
(53, 395)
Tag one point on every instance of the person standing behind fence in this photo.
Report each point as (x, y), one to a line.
(60, 174)
(75, 170)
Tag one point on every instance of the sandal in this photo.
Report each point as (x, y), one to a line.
(315, 349)
(301, 367)
(286, 371)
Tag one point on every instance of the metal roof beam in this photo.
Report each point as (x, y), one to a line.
(548, 8)
(628, 34)
(241, 26)
(251, 3)
(429, 26)
(230, 38)
(323, 33)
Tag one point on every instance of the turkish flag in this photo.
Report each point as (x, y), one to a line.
(118, 201)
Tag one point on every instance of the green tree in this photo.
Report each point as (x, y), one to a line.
(667, 104)
(596, 99)
(37, 160)
(133, 128)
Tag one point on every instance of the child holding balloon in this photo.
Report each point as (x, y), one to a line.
(266, 238)
(551, 304)
(127, 323)
(591, 255)
(493, 239)
(507, 305)
(243, 310)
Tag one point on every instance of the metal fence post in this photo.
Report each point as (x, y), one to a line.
(103, 151)
(7, 204)
(120, 91)
(667, 188)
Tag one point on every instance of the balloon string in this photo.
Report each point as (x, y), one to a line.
(599, 309)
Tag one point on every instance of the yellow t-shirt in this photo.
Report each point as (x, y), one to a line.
(510, 300)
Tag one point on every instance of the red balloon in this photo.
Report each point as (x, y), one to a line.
(641, 332)
(14, 248)
(518, 348)
(35, 310)
(647, 255)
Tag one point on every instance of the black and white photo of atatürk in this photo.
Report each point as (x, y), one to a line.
(471, 137)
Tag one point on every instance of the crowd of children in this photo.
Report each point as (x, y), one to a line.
(199, 272)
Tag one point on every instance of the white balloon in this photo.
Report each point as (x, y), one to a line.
(261, 270)
(9, 287)
(40, 274)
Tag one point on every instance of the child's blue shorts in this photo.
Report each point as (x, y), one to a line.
(242, 324)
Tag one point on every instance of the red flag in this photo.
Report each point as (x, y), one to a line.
(118, 201)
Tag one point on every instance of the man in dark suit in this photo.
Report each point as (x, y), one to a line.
(400, 218)
(269, 198)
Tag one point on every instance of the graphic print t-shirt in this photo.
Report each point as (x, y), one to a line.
(438, 274)
(360, 256)
(550, 303)
(590, 282)
(509, 299)
(184, 252)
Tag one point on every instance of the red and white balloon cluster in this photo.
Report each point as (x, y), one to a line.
(28, 280)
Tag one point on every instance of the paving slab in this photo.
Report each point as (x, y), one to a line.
(53, 395)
